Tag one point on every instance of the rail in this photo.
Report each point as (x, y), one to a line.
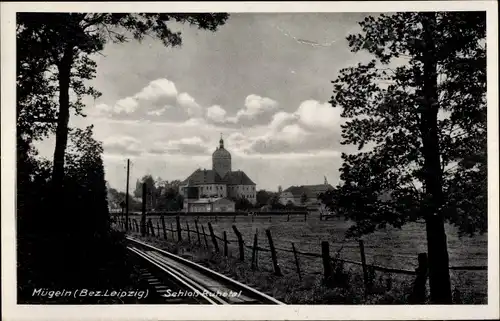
(173, 265)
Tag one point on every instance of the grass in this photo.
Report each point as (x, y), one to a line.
(390, 247)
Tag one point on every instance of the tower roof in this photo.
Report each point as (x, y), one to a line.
(212, 177)
(221, 152)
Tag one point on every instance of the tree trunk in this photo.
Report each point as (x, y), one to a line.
(439, 277)
(64, 69)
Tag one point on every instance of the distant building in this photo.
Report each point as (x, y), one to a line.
(209, 205)
(219, 182)
(294, 194)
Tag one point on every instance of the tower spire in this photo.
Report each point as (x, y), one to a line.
(221, 142)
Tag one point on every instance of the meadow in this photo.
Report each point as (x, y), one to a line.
(389, 247)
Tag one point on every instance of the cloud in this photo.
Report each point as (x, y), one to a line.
(191, 106)
(122, 145)
(313, 127)
(295, 140)
(126, 105)
(255, 105)
(157, 112)
(294, 132)
(156, 89)
(101, 109)
(314, 114)
(256, 110)
(160, 98)
(216, 113)
(281, 119)
(185, 146)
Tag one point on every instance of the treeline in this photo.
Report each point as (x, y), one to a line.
(163, 195)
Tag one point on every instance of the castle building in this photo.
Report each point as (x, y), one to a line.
(219, 182)
(304, 194)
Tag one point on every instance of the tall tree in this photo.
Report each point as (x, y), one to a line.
(262, 197)
(64, 43)
(419, 107)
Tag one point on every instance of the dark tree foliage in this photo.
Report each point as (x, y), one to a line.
(262, 197)
(51, 253)
(417, 113)
(242, 204)
(303, 198)
(60, 46)
(63, 221)
(274, 202)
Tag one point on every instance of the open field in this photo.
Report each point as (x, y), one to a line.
(390, 247)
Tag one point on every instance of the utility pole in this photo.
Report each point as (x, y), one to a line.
(126, 196)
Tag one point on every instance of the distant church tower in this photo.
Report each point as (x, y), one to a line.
(221, 160)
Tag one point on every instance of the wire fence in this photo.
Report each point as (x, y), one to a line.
(249, 251)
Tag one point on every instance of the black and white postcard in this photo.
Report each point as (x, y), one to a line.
(260, 161)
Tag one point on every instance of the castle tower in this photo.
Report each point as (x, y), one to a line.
(221, 159)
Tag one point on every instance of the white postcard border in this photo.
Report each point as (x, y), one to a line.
(12, 311)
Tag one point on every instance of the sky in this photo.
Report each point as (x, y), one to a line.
(262, 81)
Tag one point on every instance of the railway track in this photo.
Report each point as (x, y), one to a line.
(179, 280)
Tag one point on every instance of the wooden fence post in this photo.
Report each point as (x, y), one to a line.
(197, 232)
(225, 244)
(277, 270)
(296, 261)
(136, 226)
(419, 287)
(363, 264)
(151, 227)
(240, 243)
(189, 232)
(254, 251)
(158, 228)
(179, 230)
(288, 218)
(172, 230)
(163, 227)
(204, 235)
(214, 239)
(143, 216)
(327, 266)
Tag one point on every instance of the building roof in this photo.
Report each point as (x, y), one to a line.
(221, 152)
(210, 200)
(208, 176)
(311, 191)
